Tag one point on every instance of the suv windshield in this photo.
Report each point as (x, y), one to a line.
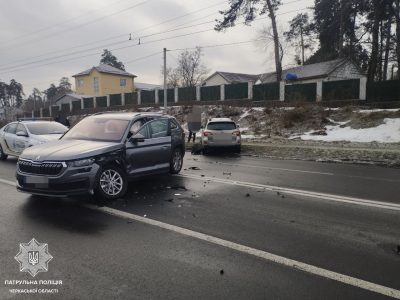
(221, 126)
(98, 129)
(46, 128)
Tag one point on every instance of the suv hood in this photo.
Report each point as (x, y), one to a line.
(64, 150)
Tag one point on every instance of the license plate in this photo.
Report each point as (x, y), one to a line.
(36, 179)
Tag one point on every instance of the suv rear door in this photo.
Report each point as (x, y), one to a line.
(153, 154)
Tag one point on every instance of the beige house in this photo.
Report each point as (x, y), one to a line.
(103, 80)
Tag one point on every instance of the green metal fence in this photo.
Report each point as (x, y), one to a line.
(76, 105)
(210, 93)
(131, 98)
(148, 97)
(55, 110)
(88, 103)
(65, 108)
(186, 94)
(236, 91)
(115, 100)
(306, 92)
(266, 91)
(170, 96)
(46, 112)
(383, 91)
(341, 90)
(101, 101)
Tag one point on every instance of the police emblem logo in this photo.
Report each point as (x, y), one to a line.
(33, 257)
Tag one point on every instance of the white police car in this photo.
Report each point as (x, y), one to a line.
(16, 136)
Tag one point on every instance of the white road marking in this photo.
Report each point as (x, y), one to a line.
(359, 283)
(9, 182)
(297, 192)
(294, 264)
(273, 168)
(301, 171)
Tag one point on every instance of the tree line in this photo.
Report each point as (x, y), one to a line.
(366, 31)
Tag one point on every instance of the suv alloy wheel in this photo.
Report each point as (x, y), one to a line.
(176, 161)
(111, 183)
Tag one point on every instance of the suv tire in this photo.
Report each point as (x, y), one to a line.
(176, 162)
(3, 156)
(111, 183)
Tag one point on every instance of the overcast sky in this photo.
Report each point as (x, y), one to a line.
(44, 40)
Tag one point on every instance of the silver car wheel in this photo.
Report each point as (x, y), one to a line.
(177, 160)
(111, 182)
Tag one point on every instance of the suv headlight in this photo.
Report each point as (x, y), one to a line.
(81, 162)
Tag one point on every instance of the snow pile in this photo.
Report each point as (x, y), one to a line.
(389, 132)
(367, 111)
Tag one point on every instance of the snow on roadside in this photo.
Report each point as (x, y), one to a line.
(367, 111)
(389, 132)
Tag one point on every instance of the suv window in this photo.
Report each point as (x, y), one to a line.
(144, 131)
(12, 128)
(221, 126)
(173, 125)
(159, 128)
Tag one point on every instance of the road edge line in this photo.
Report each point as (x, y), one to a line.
(294, 264)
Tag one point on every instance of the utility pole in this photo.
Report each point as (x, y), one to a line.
(165, 77)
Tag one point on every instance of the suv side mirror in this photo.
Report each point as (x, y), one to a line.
(21, 133)
(237, 125)
(137, 138)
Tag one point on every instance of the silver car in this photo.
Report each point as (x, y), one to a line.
(221, 132)
(15, 137)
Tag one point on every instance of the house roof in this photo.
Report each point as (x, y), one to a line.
(73, 95)
(146, 86)
(322, 69)
(103, 68)
(235, 77)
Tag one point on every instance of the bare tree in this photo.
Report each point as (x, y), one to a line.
(190, 71)
(266, 38)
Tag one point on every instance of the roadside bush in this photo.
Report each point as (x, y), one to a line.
(229, 111)
(291, 117)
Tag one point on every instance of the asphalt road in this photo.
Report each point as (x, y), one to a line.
(226, 228)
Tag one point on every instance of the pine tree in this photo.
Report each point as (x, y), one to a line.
(299, 34)
(109, 59)
(249, 9)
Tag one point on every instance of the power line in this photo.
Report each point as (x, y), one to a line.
(142, 58)
(123, 35)
(130, 46)
(80, 25)
(60, 23)
(142, 29)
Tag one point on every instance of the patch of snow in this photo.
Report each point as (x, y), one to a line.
(244, 115)
(260, 109)
(252, 136)
(332, 108)
(367, 111)
(338, 123)
(389, 132)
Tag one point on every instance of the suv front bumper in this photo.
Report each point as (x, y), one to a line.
(70, 182)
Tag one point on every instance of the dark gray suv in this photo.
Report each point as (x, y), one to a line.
(101, 154)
